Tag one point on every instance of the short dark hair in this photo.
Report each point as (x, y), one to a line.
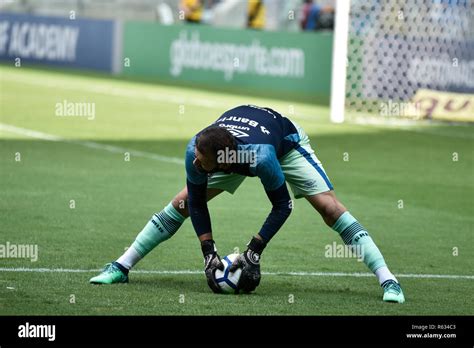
(214, 139)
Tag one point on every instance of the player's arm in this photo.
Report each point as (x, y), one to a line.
(275, 188)
(269, 171)
(196, 183)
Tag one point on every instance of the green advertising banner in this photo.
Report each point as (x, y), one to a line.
(293, 64)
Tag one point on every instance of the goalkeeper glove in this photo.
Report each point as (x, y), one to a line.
(212, 262)
(249, 261)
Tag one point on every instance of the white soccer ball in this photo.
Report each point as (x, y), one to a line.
(228, 280)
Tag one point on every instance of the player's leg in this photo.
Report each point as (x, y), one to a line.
(336, 216)
(307, 178)
(162, 226)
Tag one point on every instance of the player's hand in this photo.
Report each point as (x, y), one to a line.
(249, 262)
(212, 262)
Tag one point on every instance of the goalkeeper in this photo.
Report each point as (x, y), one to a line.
(251, 141)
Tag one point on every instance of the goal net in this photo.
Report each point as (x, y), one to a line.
(397, 58)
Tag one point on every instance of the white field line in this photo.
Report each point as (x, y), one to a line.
(125, 92)
(159, 96)
(90, 144)
(115, 91)
(190, 272)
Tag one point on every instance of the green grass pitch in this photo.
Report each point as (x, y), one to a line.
(83, 203)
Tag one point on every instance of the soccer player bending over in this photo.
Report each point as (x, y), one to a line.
(251, 141)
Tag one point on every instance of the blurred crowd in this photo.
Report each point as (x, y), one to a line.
(276, 15)
(308, 15)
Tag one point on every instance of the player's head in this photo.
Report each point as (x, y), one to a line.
(209, 143)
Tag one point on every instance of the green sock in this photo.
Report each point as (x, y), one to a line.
(160, 228)
(352, 233)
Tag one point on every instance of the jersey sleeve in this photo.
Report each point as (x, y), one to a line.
(268, 168)
(192, 174)
(269, 171)
(196, 184)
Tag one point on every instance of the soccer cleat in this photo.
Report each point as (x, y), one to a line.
(111, 274)
(392, 292)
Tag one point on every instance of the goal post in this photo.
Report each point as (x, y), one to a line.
(339, 61)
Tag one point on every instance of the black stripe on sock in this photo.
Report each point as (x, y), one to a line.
(351, 231)
(169, 224)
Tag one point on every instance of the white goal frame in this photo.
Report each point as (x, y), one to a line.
(339, 61)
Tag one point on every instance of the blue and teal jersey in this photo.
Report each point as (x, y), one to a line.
(261, 133)
(263, 136)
